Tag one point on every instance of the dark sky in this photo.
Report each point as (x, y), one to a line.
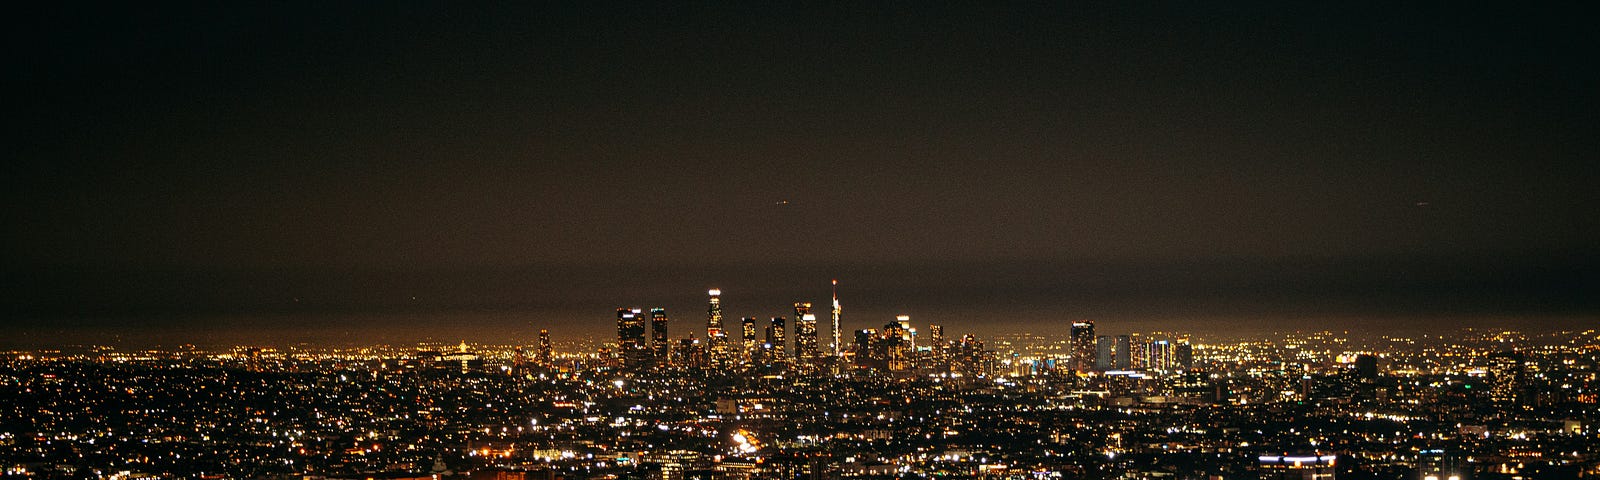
(1181, 165)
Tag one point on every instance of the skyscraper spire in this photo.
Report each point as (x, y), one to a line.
(838, 346)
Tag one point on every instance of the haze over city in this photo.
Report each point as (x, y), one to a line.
(868, 240)
(350, 173)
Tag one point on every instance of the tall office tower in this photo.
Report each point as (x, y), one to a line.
(778, 337)
(1102, 353)
(752, 345)
(936, 341)
(658, 326)
(801, 310)
(865, 347)
(864, 338)
(716, 338)
(691, 353)
(1506, 372)
(805, 339)
(1082, 343)
(908, 335)
(1182, 355)
(1124, 353)
(1159, 355)
(630, 336)
(545, 356)
(838, 347)
(895, 343)
(969, 356)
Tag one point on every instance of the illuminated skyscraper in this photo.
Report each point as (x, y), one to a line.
(658, 324)
(896, 344)
(714, 313)
(805, 339)
(1505, 373)
(908, 335)
(715, 336)
(1103, 353)
(864, 338)
(1158, 355)
(1082, 343)
(838, 347)
(752, 345)
(969, 357)
(778, 337)
(630, 336)
(545, 355)
(805, 349)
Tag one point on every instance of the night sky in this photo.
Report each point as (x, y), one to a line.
(388, 171)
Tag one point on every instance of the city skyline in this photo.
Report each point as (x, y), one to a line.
(876, 240)
(515, 326)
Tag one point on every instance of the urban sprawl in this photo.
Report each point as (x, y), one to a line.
(782, 400)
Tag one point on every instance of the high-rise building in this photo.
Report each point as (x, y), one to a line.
(752, 345)
(801, 311)
(630, 336)
(1103, 357)
(805, 338)
(716, 337)
(838, 348)
(691, 353)
(864, 338)
(908, 335)
(1182, 356)
(1082, 343)
(1158, 356)
(1505, 373)
(970, 358)
(896, 342)
(1123, 353)
(545, 355)
(866, 352)
(777, 336)
(658, 325)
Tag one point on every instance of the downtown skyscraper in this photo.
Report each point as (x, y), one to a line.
(546, 355)
(838, 344)
(777, 337)
(805, 334)
(658, 325)
(752, 344)
(716, 337)
(631, 345)
(1082, 344)
(805, 340)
